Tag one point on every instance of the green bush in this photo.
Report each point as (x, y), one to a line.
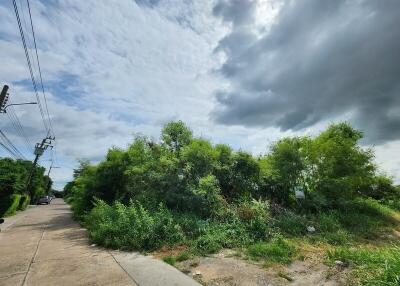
(132, 226)
(191, 225)
(393, 204)
(24, 202)
(291, 223)
(208, 193)
(256, 217)
(10, 205)
(216, 236)
(277, 250)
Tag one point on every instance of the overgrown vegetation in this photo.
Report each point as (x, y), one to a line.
(277, 249)
(184, 190)
(14, 194)
(376, 266)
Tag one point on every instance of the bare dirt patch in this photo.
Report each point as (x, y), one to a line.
(226, 269)
(168, 251)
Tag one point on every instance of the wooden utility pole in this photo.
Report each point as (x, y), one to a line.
(39, 149)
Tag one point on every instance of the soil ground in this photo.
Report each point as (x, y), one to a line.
(228, 269)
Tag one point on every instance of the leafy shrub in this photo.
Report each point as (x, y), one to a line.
(315, 202)
(24, 202)
(216, 236)
(210, 200)
(382, 188)
(10, 205)
(209, 243)
(255, 214)
(393, 204)
(291, 223)
(191, 224)
(132, 226)
(199, 156)
(277, 250)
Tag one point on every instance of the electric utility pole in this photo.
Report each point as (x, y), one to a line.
(48, 174)
(39, 150)
(4, 96)
(3, 99)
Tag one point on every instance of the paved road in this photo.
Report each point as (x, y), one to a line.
(44, 246)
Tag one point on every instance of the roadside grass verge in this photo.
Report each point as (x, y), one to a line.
(371, 266)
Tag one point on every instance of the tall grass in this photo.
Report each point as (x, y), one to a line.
(278, 249)
(377, 266)
(132, 226)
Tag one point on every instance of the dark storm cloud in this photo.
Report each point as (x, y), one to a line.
(320, 60)
(148, 3)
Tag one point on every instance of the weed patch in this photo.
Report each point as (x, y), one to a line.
(185, 255)
(375, 266)
(277, 249)
(132, 226)
(170, 260)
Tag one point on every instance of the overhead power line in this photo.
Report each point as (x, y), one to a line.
(9, 151)
(30, 66)
(16, 123)
(40, 71)
(36, 75)
(53, 150)
(10, 145)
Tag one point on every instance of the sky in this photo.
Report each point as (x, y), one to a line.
(244, 73)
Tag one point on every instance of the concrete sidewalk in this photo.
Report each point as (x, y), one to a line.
(44, 246)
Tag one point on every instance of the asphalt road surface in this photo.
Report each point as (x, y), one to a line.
(44, 246)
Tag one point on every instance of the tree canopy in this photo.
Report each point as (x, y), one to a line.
(191, 174)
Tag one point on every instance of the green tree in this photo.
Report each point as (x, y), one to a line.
(341, 167)
(176, 135)
(199, 157)
(245, 176)
(224, 168)
(14, 176)
(210, 195)
(111, 178)
(282, 169)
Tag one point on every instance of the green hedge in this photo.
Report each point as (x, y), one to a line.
(24, 202)
(9, 205)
